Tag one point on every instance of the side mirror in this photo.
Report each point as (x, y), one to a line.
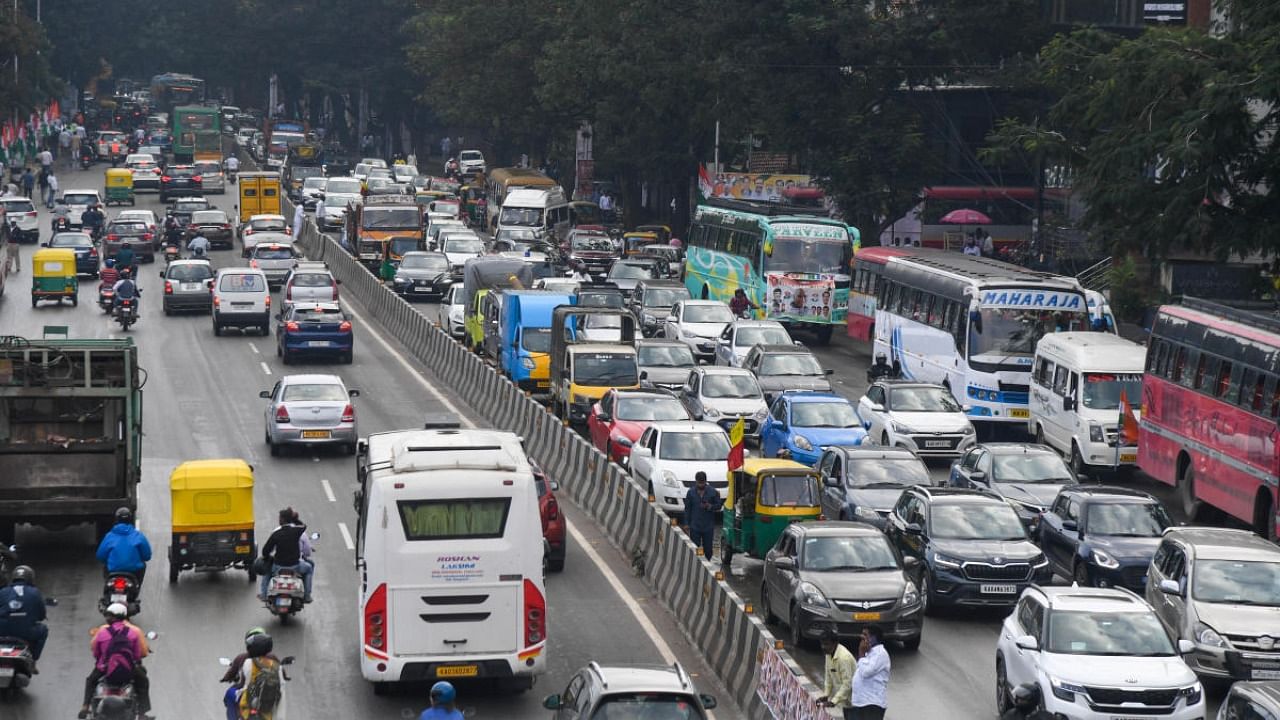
(876, 407)
(672, 318)
(44, 244)
(708, 701)
(152, 635)
(1027, 642)
(785, 563)
(51, 601)
(604, 417)
(224, 661)
(913, 529)
(1170, 587)
(315, 536)
(209, 283)
(830, 481)
(564, 374)
(555, 486)
(161, 274)
(644, 374)
(264, 394)
(287, 660)
(1070, 525)
(640, 451)
(978, 476)
(1186, 647)
(551, 702)
(353, 393)
(910, 563)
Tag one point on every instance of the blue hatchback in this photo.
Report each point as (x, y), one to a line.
(803, 422)
(314, 330)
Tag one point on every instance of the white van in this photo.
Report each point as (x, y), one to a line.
(537, 209)
(1077, 381)
(241, 298)
(450, 550)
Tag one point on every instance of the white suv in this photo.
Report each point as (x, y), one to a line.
(668, 455)
(921, 417)
(1095, 654)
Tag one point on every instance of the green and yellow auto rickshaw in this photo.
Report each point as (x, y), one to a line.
(53, 276)
(119, 186)
(765, 496)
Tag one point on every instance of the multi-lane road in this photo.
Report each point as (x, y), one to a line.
(201, 401)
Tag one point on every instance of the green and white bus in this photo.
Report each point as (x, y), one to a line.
(792, 262)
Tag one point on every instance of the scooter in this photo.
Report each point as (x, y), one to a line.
(285, 592)
(126, 315)
(106, 298)
(86, 160)
(16, 663)
(231, 697)
(121, 587)
(115, 702)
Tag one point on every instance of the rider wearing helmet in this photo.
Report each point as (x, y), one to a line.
(1026, 704)
(22, 611)
(108, 276)
(257, 644)
(443, 707)
(124, 548)
(881, 368)
(126, 288)
(118, 649)
(198, 245)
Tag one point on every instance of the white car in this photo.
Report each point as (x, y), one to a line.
(404, 174)
(331, 210)
(669, 454)
(1096, 654)
(921, 417)
(450, 309)
(78, 201)
(471, 161)
(23, 211)
(244, 136)
(724, 394)
(698, 324)
(459, 247)
(742, 335)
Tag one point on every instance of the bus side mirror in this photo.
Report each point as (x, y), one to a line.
(975, 319)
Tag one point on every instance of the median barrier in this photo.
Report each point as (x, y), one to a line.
(714, 618)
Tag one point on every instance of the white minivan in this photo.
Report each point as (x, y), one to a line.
(241, 299)
(1077, 382)
(537, 209)
(450, 548)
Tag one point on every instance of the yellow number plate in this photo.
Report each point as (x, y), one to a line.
(1019, 413)
(544, 383)
(244, 549)
(315, 434)
(866, 617)
(1128, 457)
(458, 671)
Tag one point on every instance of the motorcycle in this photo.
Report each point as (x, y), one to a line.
(284, 594)
(171, 253)
(16, 663)
(121, 587)
(126, 315)
(232, 695)
(86, 160)
(115, 702)
(106, 298)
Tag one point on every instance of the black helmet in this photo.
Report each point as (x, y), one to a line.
(124, 514)
(258, 645)
(24, 574)
(1026, 696)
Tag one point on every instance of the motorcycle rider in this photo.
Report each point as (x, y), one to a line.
(172, 231)
(108, 276)
(881, 369)
(124, 548)
(1026, 705)
(443, 703)
(22, 612)
(283, 549)
(125, 289)
(256, 659)
(740, 305)
(91, 220)
(232, 165)
(198, 245)
(253, 648)
(118, 649)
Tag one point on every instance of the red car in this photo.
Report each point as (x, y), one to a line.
(553, 529)
(617, 420)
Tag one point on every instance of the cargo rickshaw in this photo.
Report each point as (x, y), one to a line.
(119, 186)
(633, 242)
(53, 276)
(764, 496)
(212, 506)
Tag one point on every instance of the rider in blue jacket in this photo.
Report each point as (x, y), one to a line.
(125, 548)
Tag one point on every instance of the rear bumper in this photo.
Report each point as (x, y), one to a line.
(394, 669)
(343, 434)
(188, 301)
(247, 319)
(301, 346)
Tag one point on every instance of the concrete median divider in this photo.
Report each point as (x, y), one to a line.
(714, 618)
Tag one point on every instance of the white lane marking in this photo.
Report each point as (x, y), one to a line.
(265, 369)
(346, 536)
(405, 363)
(328, 490)
(254, 348)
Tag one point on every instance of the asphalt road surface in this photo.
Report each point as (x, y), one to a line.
(201, 401)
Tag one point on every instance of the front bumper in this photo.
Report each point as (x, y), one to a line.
(1218, 662)
(1083, 708)
(952, 587)
(898, 623)
(1130, 575)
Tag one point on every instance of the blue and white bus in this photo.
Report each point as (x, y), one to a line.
(972, 324)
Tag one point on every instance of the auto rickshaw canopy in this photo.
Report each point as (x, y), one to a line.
(212, 495)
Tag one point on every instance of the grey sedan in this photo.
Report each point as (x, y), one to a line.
(422, 274)
(187, 286)
(310, 410)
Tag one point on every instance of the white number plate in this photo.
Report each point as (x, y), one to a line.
(119, 598)
(1257, 674)
(937, 443)
(318, 343)
(998, 589)
(1129, 717)
(283, 602)
(190, 287)
(6, 672)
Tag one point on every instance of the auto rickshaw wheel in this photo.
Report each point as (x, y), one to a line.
(173, 568)
(726, 551)
(75, 300)
(35, 300)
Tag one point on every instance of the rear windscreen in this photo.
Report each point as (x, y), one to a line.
(476, 518)
(242, 282)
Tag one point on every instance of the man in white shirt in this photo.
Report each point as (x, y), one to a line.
(871, 677)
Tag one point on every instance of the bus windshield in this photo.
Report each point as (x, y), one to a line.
(1004, 333)
(828, 253)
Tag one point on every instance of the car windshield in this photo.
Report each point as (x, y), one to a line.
(438, 263)
(315, 183)
(516, 235)
(181, 172)
(128, 228)
(1127, 519)
(603, 321)
(922, 399)
(604, 369)
(1023, 468)
(80, 198)
(646, 706)
(836, 414)
(667, 356)
(187, 273)
(664, 297)
(790, 364)
(1005, 333)
(242, 282)
(716, 313)
(593, 243)
(343, 187)
(464, 245)
(470, 155)
(261, 252)
(375, 173)
(694, 446)
(1102, 391)
(71, 240)
(20, 206)
(404, 170)
(632, 271)
(886, 472)
(312, 280)
(849, 553)
(1135, 634)
(193, 205)
(315, 391)
(730, 386)
(208, 168)
(650, 408)
(972, 521)
(402, 245)
(528, 217)
(375, 218)
(211, 217)
(1237, 582)
(767, 335)
(536, 340)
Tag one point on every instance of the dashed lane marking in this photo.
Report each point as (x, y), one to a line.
(346, 536)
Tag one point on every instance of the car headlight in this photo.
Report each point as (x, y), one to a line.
(946, 561)
(1039, 561)
(968, 429)
(711, 412)
(1206, 635)
(669, 479)
(1193, 694)
(866, 512)
(801, 442)
(1065, 691)
(1104, 559)
(910, 594)
(401, 280)
(811, 595)
(761, 413)
(900, 428)
(1096, 433)
(526, 363)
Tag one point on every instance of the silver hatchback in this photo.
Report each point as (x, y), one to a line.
(310, 410)
(187, 286)
(275, 260)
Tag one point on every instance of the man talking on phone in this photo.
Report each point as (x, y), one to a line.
(701, 506)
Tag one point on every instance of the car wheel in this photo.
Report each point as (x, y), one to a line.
(798, 640)
(912, 643)
(279, 352)
(1003, 701)
(349, 449)
(1081, 575)
(347, 358)
(926, 594)
(264, 329)
(217, 329)
(173, 568)
(286, 358)
(765, 611)
(1040, 434)
(726, 551)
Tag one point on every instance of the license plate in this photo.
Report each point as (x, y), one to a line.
(1128, 457)
(241, 304)
(243, 549)
(318, 343)
(190, 287)
(998, 589)
(544, 383)
(283, 602)
(1019, 413)
(1130, 717)
(458, 671)
(119, 598)
(315, 434)
(866, 617)
(1257, 674)
(937, 443)
(7, 672)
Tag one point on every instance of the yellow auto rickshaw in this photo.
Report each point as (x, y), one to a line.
(662, 231)
(119, 185)
(212, 517)
(633, 241)
(53, 276)
(764, 496)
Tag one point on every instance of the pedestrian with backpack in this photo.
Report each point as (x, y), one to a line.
(118, 649)
(260, 679)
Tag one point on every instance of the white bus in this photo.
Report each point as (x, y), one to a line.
(972, 324)
(450, 553)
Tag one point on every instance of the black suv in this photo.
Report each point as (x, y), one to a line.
(180, 180)
(972, 548)
(1103, 536)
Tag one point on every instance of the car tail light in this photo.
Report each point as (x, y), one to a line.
(165, 178)
(253, 264)
(226, 226)
(282, 414)
(32, 214)
(248, 231)
(345, 326)
(375, 619)
(217, 301)
(113, 237)
(348, 413)
(93, 252)
(535, 614)
(335, 289)
(168, 288)
(146, 236)
(291, 326)
(553, 509)
(288, 291)
(267, 302)
(196, 178)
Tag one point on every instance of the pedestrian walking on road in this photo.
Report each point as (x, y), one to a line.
(46, 159)
(870, 686)
(298, 216)
(701, 507)
(445, 146)
(28, 181)
(64, 142)
(838, 683)
(51, 191)
(44, 183)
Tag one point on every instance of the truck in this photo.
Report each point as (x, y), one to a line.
(524, 337)
(70, 432)
(582, 372)
(479, 276)
(278, 137)
(373, 223)
(259, 194)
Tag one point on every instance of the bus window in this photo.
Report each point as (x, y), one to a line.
(1259, 392)
(935, 311)
(1060, 380)
(1224, 379)
(1179, 364)
(1201, 368)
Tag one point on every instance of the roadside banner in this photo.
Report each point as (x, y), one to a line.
(784, 693)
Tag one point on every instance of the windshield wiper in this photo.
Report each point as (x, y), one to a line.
(882, 484)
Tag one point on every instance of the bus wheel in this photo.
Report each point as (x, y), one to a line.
(1187, 492)
(1264, 519)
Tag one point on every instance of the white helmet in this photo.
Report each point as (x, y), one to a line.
(118, 610)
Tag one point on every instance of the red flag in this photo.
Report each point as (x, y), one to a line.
(737, 444)
(1128, 422)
